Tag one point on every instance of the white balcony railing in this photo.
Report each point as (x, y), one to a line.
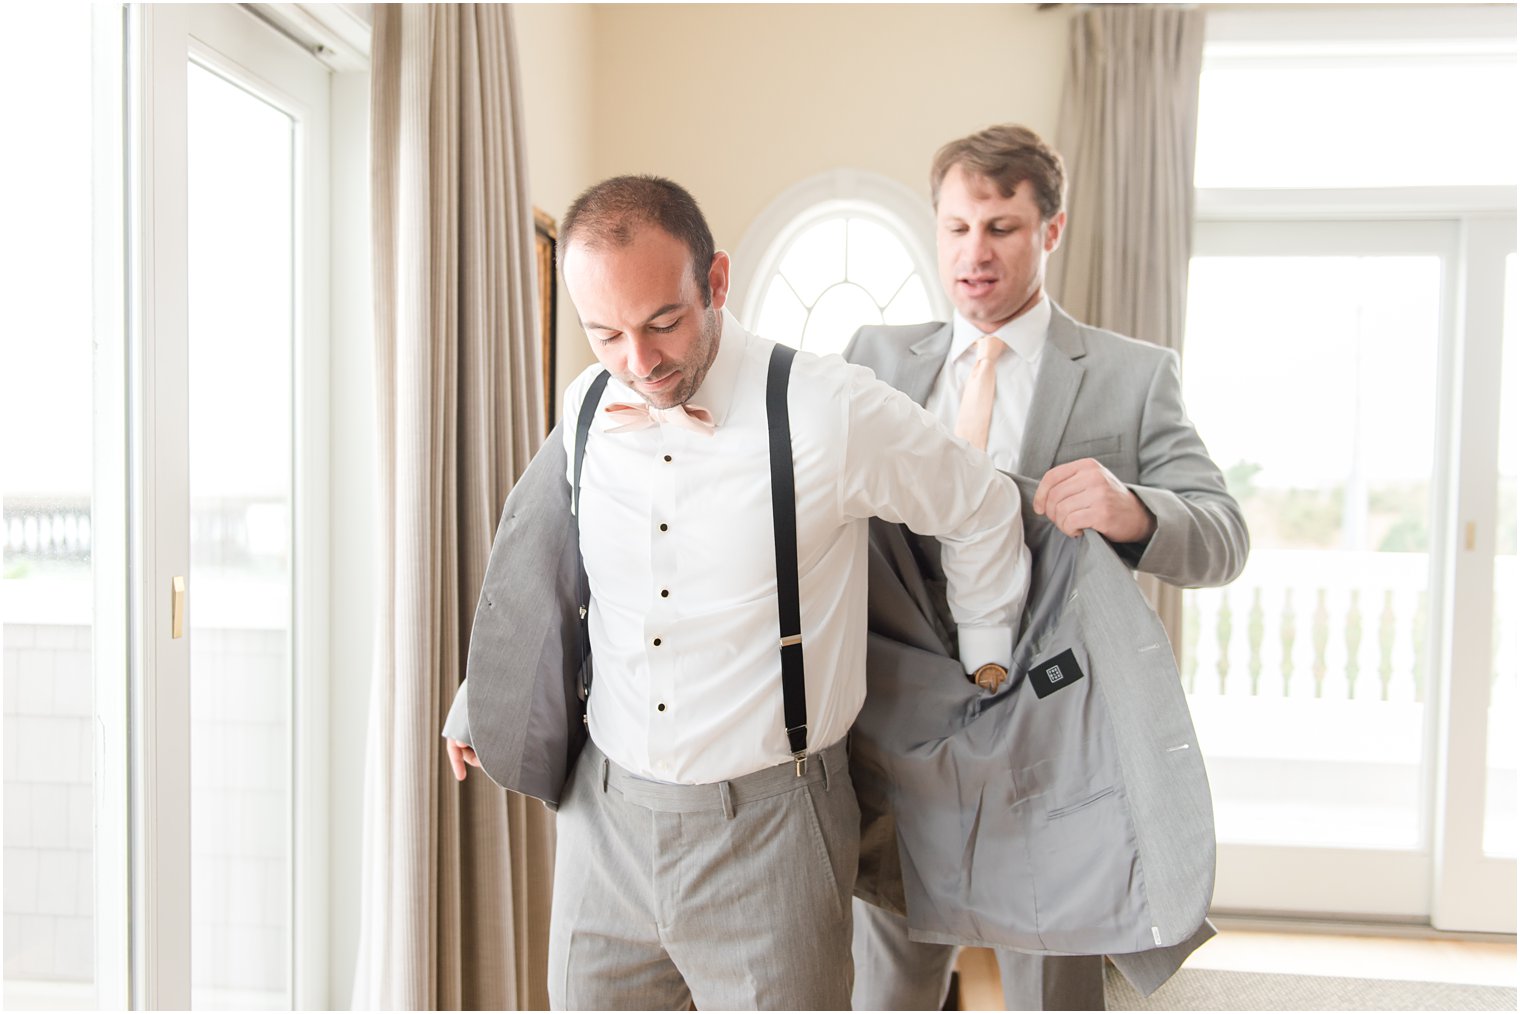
(1328, 625)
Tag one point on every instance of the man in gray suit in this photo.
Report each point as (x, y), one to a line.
(1095, 416)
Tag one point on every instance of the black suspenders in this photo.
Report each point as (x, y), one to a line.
(784, 520)
(583, 588)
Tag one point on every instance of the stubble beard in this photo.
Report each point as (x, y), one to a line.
(694, 371)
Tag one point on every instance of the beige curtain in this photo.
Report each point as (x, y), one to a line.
(455, 881)
(1129, 124)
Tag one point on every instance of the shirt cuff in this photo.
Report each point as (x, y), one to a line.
(980, 645)
(457, 724)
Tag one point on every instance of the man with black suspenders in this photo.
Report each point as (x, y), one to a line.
(708, 828)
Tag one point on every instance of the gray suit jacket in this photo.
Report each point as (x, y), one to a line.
(1104, 396)
(1076, 823)
(1076, 820)
(1111, 398)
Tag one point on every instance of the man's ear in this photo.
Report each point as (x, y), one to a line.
(717, 279)
(1054, 230)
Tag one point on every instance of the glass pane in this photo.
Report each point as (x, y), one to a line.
(1258, 117)
(782, 317)
(911, 305)
(240, 337)
(1499, 826)
(1309, 671)
(815, 260)
(835, 318)
(877, 259)
(46, 595)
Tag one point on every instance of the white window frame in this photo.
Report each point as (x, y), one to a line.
(832, 194)
(1454, 885)
(1368, 29)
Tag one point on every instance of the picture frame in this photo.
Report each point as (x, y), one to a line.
(545, 241)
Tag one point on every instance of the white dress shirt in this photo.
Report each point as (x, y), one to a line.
(1016, 371)
(676, 533)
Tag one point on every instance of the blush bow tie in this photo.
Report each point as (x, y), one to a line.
(638, 415)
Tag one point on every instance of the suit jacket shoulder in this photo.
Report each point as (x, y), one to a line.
(898, 336)
(1118, 348)
(907, 356)
(1118, 400)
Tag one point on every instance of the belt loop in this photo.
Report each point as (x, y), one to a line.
(605, 766)
(726, 793)
(823, 765)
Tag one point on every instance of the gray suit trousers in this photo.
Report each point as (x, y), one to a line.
(731, 896)
(893, 972)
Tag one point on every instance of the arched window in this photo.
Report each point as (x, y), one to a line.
(835, 252)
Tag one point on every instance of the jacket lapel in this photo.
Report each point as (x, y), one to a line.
(1055, 391)
(917, 370)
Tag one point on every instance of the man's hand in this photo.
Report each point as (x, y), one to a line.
(461, 754)
(1083, 494)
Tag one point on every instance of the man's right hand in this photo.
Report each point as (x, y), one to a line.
(461, 754)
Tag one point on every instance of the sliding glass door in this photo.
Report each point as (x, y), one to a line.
(1343, 686)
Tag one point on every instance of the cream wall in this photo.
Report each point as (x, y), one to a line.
(739, 102)
(555, 49)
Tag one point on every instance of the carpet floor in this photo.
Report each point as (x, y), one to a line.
(1208, 989)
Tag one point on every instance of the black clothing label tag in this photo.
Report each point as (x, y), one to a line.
(1054, 674)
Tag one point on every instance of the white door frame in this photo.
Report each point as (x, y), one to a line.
(1471, 890)
(162, 40)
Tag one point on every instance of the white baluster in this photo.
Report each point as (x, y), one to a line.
(1237, 653)
(1274, 667)
(1369, 678)
(1206, 683)
(1401, 679)
(1305, 599)
(1337, 604)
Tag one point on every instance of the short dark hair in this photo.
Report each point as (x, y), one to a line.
(611, 212)
(1007, 155)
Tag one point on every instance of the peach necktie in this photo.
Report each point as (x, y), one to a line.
(975, 417)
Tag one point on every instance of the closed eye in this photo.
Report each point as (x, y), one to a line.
(667, 328)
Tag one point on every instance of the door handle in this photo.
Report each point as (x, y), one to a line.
(177, 607)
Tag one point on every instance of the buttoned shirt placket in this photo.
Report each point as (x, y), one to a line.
(666, 497)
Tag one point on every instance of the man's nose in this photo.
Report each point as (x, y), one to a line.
(978, 249)
(643, 356)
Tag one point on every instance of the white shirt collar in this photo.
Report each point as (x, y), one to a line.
(717, 391)
(1024, 334)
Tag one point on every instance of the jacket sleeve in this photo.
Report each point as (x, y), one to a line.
(1200, 538)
